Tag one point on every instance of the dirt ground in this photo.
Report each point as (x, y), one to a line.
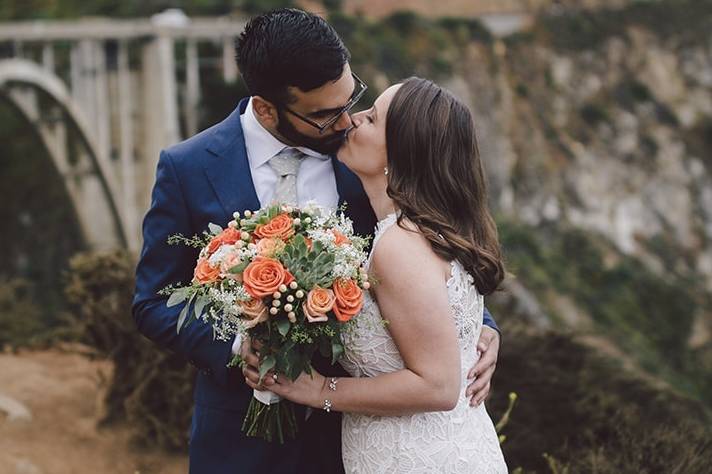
(63, 392)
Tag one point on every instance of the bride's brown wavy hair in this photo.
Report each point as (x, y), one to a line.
(435, 178)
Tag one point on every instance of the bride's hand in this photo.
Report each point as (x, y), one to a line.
(306, 390)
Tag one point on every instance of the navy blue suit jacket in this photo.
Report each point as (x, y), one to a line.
(202, 180)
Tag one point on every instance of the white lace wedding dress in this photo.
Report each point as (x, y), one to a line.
(459, 441)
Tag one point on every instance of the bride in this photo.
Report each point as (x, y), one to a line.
(435, 254)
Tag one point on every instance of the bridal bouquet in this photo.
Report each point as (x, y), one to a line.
(289, 278)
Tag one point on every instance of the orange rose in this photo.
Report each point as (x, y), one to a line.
(254, 311)
(341, 239)
(228, 236)
(319, 302)
(205, 273)
(263, 276)
(280, 227)
(349, 299)
(270, 247)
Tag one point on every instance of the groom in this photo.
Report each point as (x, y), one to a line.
(302, 88)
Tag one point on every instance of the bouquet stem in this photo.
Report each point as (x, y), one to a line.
(275, 421)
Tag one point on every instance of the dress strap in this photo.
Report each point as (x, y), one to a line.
(381, 227)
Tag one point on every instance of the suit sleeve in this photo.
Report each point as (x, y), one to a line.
(161, 264)
(489, 321)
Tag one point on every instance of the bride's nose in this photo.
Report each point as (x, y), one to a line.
(357, 118)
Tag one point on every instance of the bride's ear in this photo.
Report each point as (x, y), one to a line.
(265, 112)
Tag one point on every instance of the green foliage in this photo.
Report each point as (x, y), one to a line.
(687, 20)
(21, 321)
(39, 230)
(405, 43)
(589, 414)
(40, 9)
(151, 388)
(333, 5)
(698, 140)
(255, 7)
(649, 316)
(630, 92)
(594, 114)
(222, 98)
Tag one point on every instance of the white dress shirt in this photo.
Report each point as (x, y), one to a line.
(315, 180)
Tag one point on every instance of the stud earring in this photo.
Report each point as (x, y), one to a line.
(385, 170)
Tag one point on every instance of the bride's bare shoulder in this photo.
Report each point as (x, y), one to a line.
(402, 250)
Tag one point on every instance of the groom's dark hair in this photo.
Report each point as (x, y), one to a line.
(289, 47)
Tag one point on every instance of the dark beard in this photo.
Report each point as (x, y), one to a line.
(326, 146)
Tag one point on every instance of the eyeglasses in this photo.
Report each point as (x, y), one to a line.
(358, 93)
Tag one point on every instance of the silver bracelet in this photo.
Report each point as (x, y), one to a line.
(332, 384)
(327, 405)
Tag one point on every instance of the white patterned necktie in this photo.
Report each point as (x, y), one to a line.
(286, 165)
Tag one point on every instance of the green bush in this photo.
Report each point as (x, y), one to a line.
(594, 114)
(21, 319)
(590, 414)
(151, 388)
(647, 315)
(688, 20)
(405, 43)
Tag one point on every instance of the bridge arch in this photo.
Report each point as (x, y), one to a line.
(85, 177)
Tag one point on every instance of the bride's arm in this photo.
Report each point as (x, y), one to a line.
(413, 298)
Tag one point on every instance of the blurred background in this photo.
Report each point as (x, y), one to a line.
(595, 125)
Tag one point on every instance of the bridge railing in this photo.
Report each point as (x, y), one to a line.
(135, 83)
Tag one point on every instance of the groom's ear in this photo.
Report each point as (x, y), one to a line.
(265, 112)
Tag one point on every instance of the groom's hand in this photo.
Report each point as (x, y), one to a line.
(482, 372)
(251, 359)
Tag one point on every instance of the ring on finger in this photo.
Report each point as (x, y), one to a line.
(274, 377)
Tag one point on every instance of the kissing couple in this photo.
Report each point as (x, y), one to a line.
(408, 393)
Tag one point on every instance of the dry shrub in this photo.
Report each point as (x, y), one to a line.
(590, 414)
(21, 321)
(580, 408)
(151, 388)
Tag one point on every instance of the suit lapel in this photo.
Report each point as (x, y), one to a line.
(351, 193)
(345, 182)
(228, 168)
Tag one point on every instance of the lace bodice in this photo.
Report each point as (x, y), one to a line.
(370, 350)
(459, 441)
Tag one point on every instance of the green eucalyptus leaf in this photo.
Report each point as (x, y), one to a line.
(266, 365)
(176, 297)
(182, 317)
(200, 304)
(337, 349)
(240, 267)
(283, 326)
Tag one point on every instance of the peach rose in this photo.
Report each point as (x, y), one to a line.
(349, 299)
(319, 302)
(280, 227)
(341, 239)
(228, 236)
(254, 311)
(205, 273)
(270, 247)
(263, 276)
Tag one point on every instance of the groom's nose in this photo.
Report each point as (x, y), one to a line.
(343, 123)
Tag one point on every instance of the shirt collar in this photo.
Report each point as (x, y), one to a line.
(262, 145)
